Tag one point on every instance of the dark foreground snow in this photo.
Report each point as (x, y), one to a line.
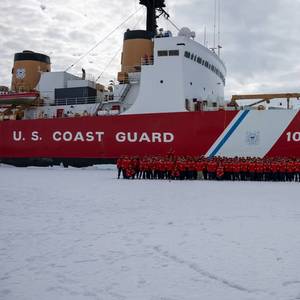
(81, 234)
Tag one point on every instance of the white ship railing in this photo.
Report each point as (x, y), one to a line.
(76, 101)
(145, 61)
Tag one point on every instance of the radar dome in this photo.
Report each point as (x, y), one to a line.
(185, 31)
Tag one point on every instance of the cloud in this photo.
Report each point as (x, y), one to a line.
(260, 38)
(60, 29)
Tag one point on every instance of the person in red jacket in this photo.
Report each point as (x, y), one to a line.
(212, 169)
(191, 169)
(119, 166)
(175, 174)
(136, 166)
(169, 167)
(259, 170)
(267, 170)
(282, 170)
(274, 170)
(204, 170)
(162, 169)
(220, 172)
(252, 169)
(199, 165)
(126, 166)
(244, 169)
(236, 168)
(181, 168)
(152, 163)
(142, 169)
(228, 168)
(297, 170)
(290, 167)
(130, 172)
(150, 168)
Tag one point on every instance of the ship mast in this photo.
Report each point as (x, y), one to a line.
(153, 6)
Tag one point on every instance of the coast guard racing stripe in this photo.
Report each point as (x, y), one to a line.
(252, 133)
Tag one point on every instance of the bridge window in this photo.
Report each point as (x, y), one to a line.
(162, 53)
(173, 52)
(205, 63)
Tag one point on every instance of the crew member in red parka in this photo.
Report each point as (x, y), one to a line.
(297, 170)
(220, 172)
(282, 170)
(274, 170)
(290, 170)
(119, 166)
(212, 169)
(126, 164)
(244, 169)
(252, 169)
(236, 168)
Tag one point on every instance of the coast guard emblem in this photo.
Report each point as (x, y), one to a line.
(21, 73)
(252, 137)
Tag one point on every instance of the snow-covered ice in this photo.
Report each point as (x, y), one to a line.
(82, 234)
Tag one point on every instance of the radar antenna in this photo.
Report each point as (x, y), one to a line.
(153, 6)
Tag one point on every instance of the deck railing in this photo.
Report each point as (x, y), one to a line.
(77, 101)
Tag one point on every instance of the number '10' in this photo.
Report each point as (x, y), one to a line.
(293, 136)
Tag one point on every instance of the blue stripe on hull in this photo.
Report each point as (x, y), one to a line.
(229, 133)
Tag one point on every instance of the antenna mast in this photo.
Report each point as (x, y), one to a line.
(153, 6)
(219, 28)
(215, 21)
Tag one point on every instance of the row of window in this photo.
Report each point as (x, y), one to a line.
(206, 64)
(168, 53)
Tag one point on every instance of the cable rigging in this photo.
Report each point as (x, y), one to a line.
(102, 40)
(117, 52)
(172, 23)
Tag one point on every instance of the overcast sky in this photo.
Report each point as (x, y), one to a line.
(260, 38)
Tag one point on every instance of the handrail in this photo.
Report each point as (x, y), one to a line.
(76, 101)
(145, 61)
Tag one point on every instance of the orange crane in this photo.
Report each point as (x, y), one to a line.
(264, 98)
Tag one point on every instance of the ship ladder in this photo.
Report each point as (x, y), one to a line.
(125, 92)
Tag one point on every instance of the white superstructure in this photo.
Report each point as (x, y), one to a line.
(159, 73)
(182, 73)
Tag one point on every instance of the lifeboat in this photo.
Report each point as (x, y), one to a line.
(21, 98)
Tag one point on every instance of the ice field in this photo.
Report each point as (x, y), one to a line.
(82, 234)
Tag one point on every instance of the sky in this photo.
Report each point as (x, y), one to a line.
(260, 39)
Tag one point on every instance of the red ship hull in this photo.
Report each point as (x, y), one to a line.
(86, 140)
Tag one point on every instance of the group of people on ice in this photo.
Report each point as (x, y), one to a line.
(173, 167)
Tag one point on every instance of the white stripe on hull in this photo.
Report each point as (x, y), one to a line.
(253, 134)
